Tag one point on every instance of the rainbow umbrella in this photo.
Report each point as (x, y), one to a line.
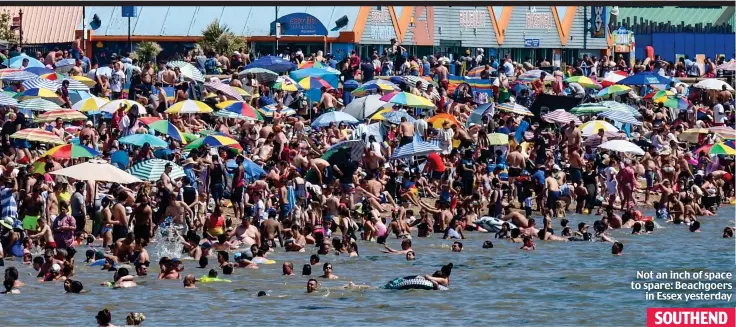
(215, 140)
(90, 104)
(167, 128)
(407, 99)
(312, 64)
(659, 96)
(240, 108)
(64, 114)
(39, 93)
(676, 103)
(287, 84)
(53, 76)
(721, 148)
(112, 106)
(269, 110)
(71, 151)
(314, 83)
(85, 80)
(189, 107)
(584, 82)
(37, 135)
(374, 85)
(378, 115)
(613, 90)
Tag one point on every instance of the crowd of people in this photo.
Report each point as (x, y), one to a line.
(288, 184)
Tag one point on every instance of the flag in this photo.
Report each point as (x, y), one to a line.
(477, 85)
(519, 136)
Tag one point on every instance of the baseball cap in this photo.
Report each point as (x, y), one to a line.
(556, 167)
(55, 267)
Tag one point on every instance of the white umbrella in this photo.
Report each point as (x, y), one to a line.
(262, 75)
(622, 146)
(713, 84)
(592, 127)
(97, 170)
(228, 90)
(362, 108)
(187, 70)
(112, 106)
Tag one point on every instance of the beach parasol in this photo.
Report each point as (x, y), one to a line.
(85, 80)
(262, 75)
(64, 114)
(287, 84)
(476, 72)
(439, 119)
(692, 135)
(394, 117)
(167, 128)
(187, 70)
(71, 151)
(408, 99)
(592, 127)
(645, 78)
(680, 103)
(721, 148)
(353, 147)
(114, 105)
(189, 107)
(336, 117)
(272, 63)
(269, 110)
(38, 71)
(314, 83)
(311, 64)
(363, 108)
(240, 108)
(589, 108)
(227, 90)
(252, 170)
(53, 76)
(6, 100)
(37, 135)
(724, 132)
(613, 90)
(141, 139)
(415, 148)
(64, 65)
(498, 139)
(533, 75)
(152, 169)
(215, 140)
(659, 96)
(374, 85)
(515, 108)
(17, 62)
(38, 104)
(614, 105)
(90, 104)
(613, 78)
(623, 146)
(584, 82)
(39, 93)
(713, 84)
(75, 85)
(729, 66)
(411, 81)
(241, 92)
(18, 76)
(620, 116)
(560, 116)
(41, 83)
(97, 170)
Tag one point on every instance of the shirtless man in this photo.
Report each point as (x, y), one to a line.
(576, 166)
(441, 73)
(124, 247)
(552, 187)
(88, 135)
(165, 177)
(321, 166)
(666, 190)
(331, 206)
(399, 227)
(168, 76)
(143, 219)
(301, 162)
(44, 235)
(516, 164)
(271, 229)
(374, 190)
(177, 210)
(328, 101)
(406, 130)
(246, 233)
(677, 208)
(515, 217)
(119, 217)
(573, 137)
(52, 203)
(30, 209)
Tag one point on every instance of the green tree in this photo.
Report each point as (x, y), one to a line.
(6, 34)
(219, 38)
(146, 51)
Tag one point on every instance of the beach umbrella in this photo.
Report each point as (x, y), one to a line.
(592, 127)
(39, 93)
(560, 116)
(515, 108)
(705, 149)
(439, 119)
(328, 74)
(71, 151)
(533, 75)
(613, 90)
(412, 82)
(141, 139)
(252, 170)
(314, 83)
(189, 107)
(723, 131)
(350, 85)
(269, 110)
(415, 148)
(613, 105)
(41, 83)
(659, 96)
(476, 117)
(374, 86)
(379, 114)
(336, 117)
(729, 66)
(167, 128)
(5, 71)
(262, 75)
(8, 101)
(680, 103)
(37, 135)
(187, 70)
(53, 76)
(272, 63)
(584, 82)
(589, 108)
(692, 135)
(363, 108)
(18, 76)
(112, 106)
(104, 71)
(241, 92)
(475, 72)
(720, 148)
(394, 117)
(64, 114)
(152, 169)
(64, 65)
(148, 120)
(97, 170)
(498, 139)
(408, 99)
(38, 104)
(613, 78)
(620, 116)
(312, 64)
(227, 90)
(230, 114)
(75, 85)
(623, 146)
(90, 83)
(353, 147)
(713, 84)
(215, 140)
(38, 71)
(644, 78)
(90, 104)
(240, 108)
(287, 84)
(17, 62)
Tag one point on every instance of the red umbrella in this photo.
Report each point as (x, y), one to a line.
(613, 78)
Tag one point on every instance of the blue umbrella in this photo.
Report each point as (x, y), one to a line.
(477, 115)
(333, 117)
(17, 62)
(253, 170)
(394, 117)
(41, 83)
(415, 148)
(120, 159)
(645, 78)
(20, 76)
(330, 76)
(396, 80)
(519, 87)
(140, 139)
(38, 70)
(272, 63)
(350, 85)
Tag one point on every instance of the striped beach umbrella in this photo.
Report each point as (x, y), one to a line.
(38, 71)
(71, 151)
(75, 85)
(314, 83)
(262, 75)
(375, 85)
(90, 104)
(114, 105)
(620, 116)
(515, 108)
(415, 148)
(53, 76)
(167, 128)
(141, 139)
(64, 65)
(724, 132)
(730, 66)
(475, 72)
(560, 116)
(533, 75)
(6, 100)
(592, 127)
(336, 117)
(227, 90)
(243, 93)
(230, 114)
(189, 107)
(6, 71)
(85, 80)
(215, 140)
(37, 135)
(187, 70)
(64, 114)
(408, 99)
(38, 104)
(613, 90)
(613, 78)
(38, 93)
(41, 83)
(613, 105)
(240, 108)
(152, 170)
(589, 108)
(311, 64)
(269, 110)
(18, 76)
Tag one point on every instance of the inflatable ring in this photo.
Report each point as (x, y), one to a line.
(492, 224)
(411, 283)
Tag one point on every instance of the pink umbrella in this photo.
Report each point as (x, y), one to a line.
(228, 90)
(562, 117)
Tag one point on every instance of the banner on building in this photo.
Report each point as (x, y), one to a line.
(598, 22)
(477, 85)
(624, 40)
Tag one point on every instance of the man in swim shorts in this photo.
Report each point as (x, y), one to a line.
(30, 209)
(553, 193)
(516, 163)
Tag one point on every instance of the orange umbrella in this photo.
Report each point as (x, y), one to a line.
(439, 119)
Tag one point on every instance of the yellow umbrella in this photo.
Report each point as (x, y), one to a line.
(379, 114)
(85, 80)
(189, 107)
(90, 104)
(242, 92)
(592, 127)
(113, 106)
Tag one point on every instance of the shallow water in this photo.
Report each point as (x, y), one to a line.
(565, 284)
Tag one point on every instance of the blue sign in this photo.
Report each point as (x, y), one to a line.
(130, 11)
(598, 21)
(299, 24)
(531, 43)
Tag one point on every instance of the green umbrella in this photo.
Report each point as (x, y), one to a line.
(152, 169)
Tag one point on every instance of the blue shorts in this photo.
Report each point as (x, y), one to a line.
(436, 175)
(347, 188)
(21, 144)
(284, 210)
(218, 191)
(649, 175)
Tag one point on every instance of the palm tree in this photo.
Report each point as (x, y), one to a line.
(146, 51)
(219, 38)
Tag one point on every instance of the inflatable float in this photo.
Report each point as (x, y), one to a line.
(492, 224)
(208, 279)
(411, 283)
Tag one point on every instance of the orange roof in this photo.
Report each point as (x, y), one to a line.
(48, 24)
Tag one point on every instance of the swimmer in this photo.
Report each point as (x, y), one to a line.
(306, 270)
(545, 235)
(410, 256)
(728, 232)
(617, 248)
(528, 244)
(516, 236)
(440, 277)
(405, 248)
(312, 285)
(327, 269)
(457, 246)
(487, 245)
(73, 286)
(287, 269)
(190, 281)
(135, 319)
(695, 227)
(103, 318)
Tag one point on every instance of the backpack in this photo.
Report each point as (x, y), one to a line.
(210, 66)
